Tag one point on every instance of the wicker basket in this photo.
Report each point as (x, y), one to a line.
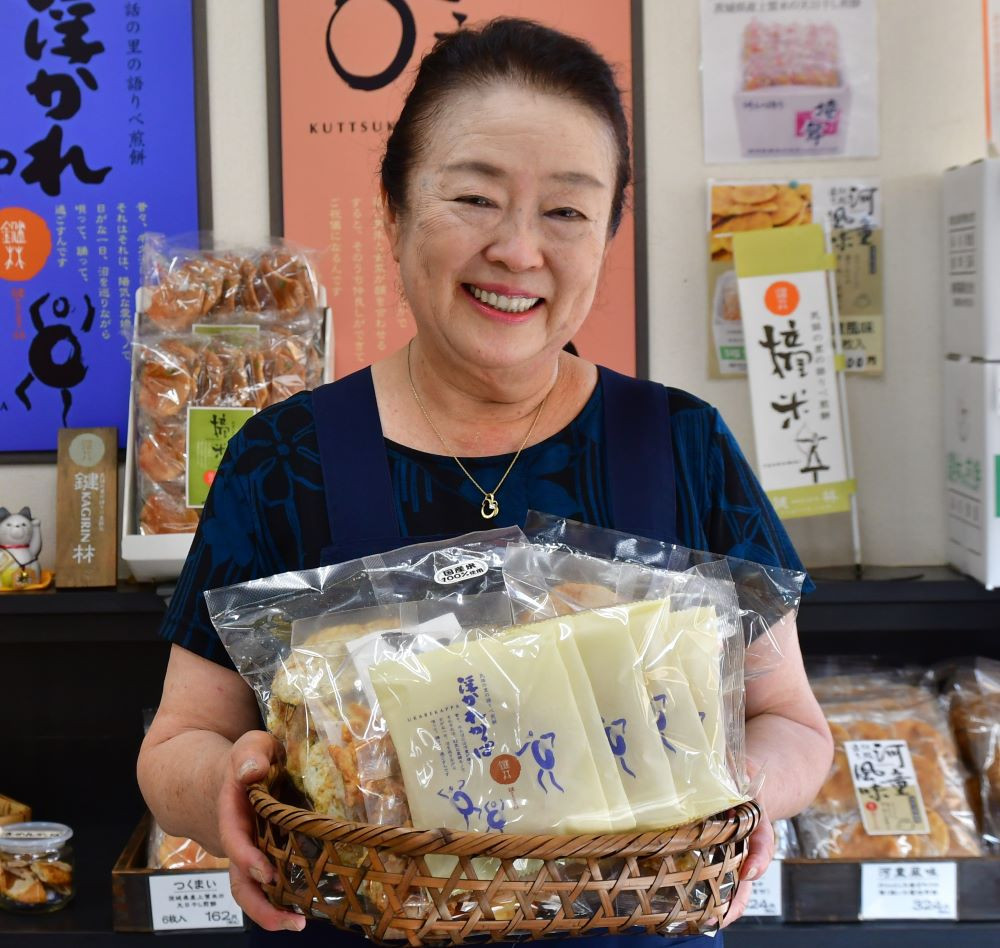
(398, 885)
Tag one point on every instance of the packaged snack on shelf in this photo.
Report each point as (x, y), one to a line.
(174, 852)
(186, 285)
(768, 596)
(239, 371)
(896, 788)
(973, 693)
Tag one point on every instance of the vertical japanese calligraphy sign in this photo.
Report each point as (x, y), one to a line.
(97, 145)
(792, 368)
(338, 74)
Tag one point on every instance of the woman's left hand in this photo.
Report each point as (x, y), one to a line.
(761, 851)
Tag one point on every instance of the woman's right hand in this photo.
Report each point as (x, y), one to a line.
(249, 761)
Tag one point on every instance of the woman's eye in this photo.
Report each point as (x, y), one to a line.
(476, 200)
(567, 214)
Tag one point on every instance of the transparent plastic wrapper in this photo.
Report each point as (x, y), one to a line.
(688, 646)
(786, 843)
(188, 285)
(466, 566)
(256, 621)
(973, 694)
(897, 730)
(237, 368)
(174, 852)
(767, 595)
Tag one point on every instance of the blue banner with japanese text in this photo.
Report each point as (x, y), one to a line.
(97, 146)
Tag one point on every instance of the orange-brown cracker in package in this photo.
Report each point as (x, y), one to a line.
(973, 691)
(884, 709)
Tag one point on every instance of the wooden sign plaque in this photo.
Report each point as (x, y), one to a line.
(87, 507)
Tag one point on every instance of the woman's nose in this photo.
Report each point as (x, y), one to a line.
(516, 243)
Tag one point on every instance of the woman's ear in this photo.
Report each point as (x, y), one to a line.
(390, 222)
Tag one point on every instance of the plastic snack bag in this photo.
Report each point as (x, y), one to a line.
(690, 652)
(186, 285)
(492, 736)
(767, 595)
(257, 622)
(896, 788)
(174, 852)
(973, 692)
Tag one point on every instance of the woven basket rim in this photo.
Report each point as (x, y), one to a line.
(735, 823)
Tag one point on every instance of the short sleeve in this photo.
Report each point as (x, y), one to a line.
(721, 504)
(222, 553)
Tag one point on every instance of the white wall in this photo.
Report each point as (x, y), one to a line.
(931, 117)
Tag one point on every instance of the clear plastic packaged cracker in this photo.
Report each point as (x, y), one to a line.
(973, 695)
(896, 789)
(767, 596)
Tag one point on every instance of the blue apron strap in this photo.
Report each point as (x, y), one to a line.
(639, 456)
(359, 500)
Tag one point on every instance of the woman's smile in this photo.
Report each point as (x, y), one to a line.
(501, 303)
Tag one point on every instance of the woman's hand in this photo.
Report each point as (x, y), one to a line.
(759, 856)
(248, 761)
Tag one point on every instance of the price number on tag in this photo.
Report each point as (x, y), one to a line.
(193, 900)
(909, 890)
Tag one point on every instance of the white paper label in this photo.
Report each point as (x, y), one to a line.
(193, 900)
(886, 787)
(456, 572)
(921, 890)
(765, 896)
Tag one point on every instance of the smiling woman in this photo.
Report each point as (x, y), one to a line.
(504, 181)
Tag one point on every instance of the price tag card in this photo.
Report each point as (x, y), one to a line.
(918, 890)
(185, 900)
(765, 896)
(886, 787)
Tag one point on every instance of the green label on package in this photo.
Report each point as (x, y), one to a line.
(886, 787)
(208, 433)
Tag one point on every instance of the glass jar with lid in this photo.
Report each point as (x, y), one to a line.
(36, 867)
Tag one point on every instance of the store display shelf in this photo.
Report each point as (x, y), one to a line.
(86, 921)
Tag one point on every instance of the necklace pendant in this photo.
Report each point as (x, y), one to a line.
(490, 507)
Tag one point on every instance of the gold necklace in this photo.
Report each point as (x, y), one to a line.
(490, 506)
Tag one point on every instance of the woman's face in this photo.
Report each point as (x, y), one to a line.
(506, 225)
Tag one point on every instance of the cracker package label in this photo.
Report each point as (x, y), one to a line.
(490, 738)
(885, 783)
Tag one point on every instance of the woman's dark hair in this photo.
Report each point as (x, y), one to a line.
(513, 51)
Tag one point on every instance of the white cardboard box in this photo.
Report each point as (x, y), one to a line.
(972, 459)
(971, 247)
(160, 557)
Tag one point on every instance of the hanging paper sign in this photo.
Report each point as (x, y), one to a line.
(344, 70)
(789, 78)
(97, 146)
(801, 459)
(851, 208)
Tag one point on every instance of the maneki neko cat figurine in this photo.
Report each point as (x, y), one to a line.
(20, 544)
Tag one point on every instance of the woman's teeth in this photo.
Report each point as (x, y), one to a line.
(506, 304)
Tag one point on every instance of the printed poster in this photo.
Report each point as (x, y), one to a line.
(97, 145)
(789, 79)
(851, 210)
(792, 367)
(344, 69)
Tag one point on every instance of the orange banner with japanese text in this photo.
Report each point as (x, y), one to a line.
(344, 67)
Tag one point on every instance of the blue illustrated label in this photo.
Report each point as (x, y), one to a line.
(615, 732)
(544, 754)
(660, 708)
